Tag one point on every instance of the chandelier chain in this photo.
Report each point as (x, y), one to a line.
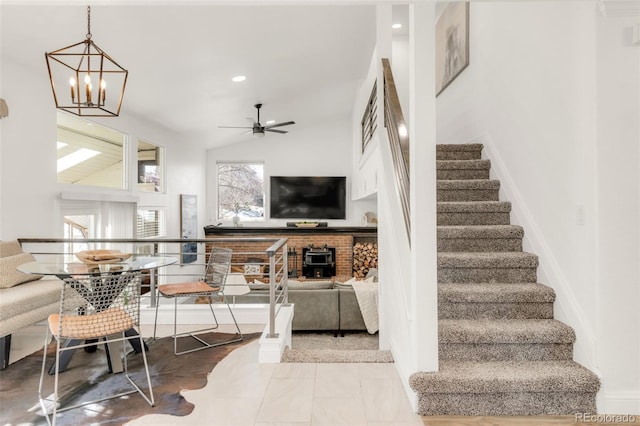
(88, 22)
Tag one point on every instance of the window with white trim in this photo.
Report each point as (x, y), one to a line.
(240, 191)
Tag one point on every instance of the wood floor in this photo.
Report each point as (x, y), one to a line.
(513, 421)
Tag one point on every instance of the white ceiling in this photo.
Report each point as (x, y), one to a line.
(303, 62)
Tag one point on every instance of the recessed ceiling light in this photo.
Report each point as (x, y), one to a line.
(238, 78)
(396, 26)
(271, 122)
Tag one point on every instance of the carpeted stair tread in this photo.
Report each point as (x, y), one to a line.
(472, 151)
(487, 260)
(468, 184)
(462, 169)
(478, 212)
(516, 331)
(459, 147)
(473, 207)
(463, 164)
(468, 190)
(480, 238)
(472, 377)
(480, 231)
(495, 293)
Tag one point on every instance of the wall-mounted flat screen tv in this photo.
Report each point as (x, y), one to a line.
(308, 197)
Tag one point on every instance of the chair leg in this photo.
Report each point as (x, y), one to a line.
(149, 398)
(43, 371)
(194, 334)
(49, 404)
(155, 322)
(234, 321)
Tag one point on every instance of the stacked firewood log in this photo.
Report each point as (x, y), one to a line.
(365, 256)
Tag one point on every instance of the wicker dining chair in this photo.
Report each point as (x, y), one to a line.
(110, 307)
(210, 286)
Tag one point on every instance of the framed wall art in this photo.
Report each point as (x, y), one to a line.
(189, 227)
(452, 44)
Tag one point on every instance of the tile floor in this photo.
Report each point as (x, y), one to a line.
(240, 391)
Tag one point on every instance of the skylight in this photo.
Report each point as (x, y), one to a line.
(75, 158)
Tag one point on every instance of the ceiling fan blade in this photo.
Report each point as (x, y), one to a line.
(234, 127)
(275, 131)
(287, 123)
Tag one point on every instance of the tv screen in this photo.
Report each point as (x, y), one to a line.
(308, 197)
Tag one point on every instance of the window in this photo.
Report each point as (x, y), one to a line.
(150, 223)
(241, 191)
(150, 167)
(89, 154)
(78, 227)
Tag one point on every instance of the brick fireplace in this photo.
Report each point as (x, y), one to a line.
(342, 239)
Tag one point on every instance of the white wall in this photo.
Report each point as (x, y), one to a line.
(536, 93)
(400, 59)
(407, 272)
(29, 191)
(618, 219)
(324, 150)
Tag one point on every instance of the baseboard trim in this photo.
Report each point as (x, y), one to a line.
(619, 403)
(567, 307)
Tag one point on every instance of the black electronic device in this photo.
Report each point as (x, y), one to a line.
(308, 197)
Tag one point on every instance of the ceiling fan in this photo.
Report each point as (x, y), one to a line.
(259, 129)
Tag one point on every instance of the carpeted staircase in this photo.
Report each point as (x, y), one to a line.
(501, 352)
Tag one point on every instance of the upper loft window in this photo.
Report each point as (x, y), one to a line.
(241, 191)
(89, 154)
(150, 167)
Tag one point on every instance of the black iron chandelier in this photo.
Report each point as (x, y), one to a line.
(81, 76)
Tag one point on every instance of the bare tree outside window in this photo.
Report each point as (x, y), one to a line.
(241, 191)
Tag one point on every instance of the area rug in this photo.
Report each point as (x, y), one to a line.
(325, 348)
(87, 378)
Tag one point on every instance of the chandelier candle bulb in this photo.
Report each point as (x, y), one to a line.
(72, 83)
(87, 87)
(103, 91)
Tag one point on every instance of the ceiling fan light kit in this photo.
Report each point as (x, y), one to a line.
(258, 129)
(82, 74)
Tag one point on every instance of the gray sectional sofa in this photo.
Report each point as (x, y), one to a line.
(319, 306)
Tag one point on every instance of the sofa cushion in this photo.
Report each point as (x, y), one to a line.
(258, 285)
(10, 276)
(310, 285)
(9, 248)
(29, 297)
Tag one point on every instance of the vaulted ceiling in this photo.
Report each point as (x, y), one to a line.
(303, 62)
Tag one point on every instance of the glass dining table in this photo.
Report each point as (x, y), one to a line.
(70, 267)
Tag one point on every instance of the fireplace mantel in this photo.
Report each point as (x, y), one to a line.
(211, 230)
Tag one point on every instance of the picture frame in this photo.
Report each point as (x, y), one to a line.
(452, 44)
(188, 227)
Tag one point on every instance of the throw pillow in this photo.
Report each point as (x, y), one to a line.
(10, 248)
(252, 268)
(10, 276)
